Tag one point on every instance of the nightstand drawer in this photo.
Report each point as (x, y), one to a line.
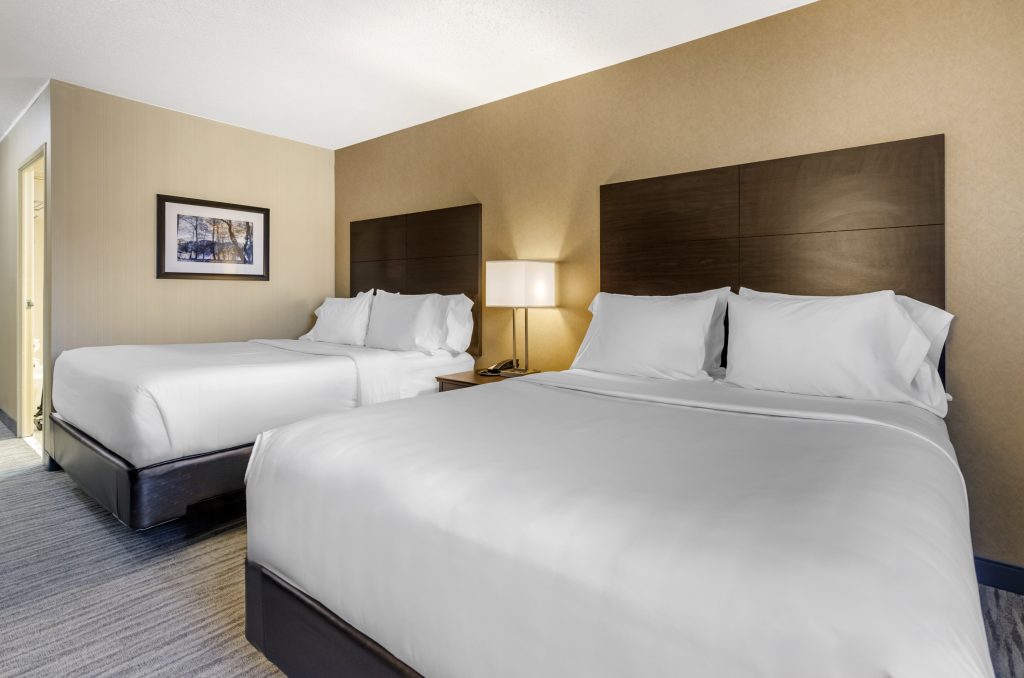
(443, 386)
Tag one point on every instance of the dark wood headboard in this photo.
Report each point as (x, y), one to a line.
(419, 253)
(840, 222)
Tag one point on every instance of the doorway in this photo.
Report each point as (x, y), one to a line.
(32, 369)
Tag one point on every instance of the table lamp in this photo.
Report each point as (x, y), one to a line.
(520, 284)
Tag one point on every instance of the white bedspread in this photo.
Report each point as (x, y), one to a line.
(576, 525)
(153, 403)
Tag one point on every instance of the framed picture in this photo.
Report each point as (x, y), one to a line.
(207, 240)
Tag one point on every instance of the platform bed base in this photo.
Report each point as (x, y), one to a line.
(303, 638)
(144, 497)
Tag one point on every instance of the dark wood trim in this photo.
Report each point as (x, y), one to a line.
(878, 186)
(161, 202)
(143, 497)
(999, 575)
(837, 222)
(304, 638)
(422, 252)
(453, 382)
(907, 259)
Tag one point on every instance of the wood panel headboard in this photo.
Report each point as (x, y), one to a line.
(840, 222)
(422, 252)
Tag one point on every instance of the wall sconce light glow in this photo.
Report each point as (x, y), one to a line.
(520, 284)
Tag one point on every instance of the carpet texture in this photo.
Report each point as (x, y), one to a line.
(1004, 622)
(81, 595)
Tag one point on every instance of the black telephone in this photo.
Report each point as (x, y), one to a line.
(495, 369)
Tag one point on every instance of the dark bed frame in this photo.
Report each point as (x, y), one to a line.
(144, 497)
(436, 251)
(840, 222)
(304, 638)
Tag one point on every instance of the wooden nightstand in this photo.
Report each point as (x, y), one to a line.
(453, 382)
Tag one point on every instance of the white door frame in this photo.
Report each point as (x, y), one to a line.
(26, 191)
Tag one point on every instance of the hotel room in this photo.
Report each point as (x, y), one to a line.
(530, 339)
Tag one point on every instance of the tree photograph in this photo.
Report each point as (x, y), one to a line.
(211, 240)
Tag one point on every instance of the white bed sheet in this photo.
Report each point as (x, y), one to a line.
(630, 527)
(154, 403)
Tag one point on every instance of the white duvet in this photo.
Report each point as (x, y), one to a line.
(154, 403)
(577, 525)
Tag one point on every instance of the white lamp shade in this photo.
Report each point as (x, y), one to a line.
(520, 284)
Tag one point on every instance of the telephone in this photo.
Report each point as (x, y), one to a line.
(496, 369)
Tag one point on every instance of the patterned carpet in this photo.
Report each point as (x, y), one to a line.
(80, 595)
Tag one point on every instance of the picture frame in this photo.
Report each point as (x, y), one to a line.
(209, 240)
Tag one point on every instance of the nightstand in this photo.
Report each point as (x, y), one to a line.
(453, 382)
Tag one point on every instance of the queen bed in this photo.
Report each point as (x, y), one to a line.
(153, 404)
(148, 431)
(634, 525)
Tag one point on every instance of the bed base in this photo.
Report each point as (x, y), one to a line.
(304, 638)
(144, 497)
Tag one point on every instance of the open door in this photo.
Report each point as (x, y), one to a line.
(32, 366)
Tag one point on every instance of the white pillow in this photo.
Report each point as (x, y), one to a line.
(933, 321)
(659, 337)
(863, 346)
(716, 332)
(715, 340)
(459, 322)
(342, 321)
(407, 322)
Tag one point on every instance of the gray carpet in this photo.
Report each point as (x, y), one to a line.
(82, 595)
(1004, 622)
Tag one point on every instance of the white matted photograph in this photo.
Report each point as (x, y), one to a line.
(207, 240)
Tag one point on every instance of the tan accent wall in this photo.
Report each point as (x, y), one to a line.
(830, 75)
(31, 132)
(110, 158)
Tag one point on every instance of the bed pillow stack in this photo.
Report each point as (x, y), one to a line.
(341, 320)
(396, 322)
(865, 346)
(934, 322)
(876, 346)
(407, 322)
(658, 337)
(421, 322)
(458, 323)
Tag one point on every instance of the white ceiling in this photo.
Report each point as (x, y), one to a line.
(335, 72)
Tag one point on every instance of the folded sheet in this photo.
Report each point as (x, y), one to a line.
(629, 527)
(378, 373)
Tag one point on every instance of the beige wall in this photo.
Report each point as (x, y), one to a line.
(110, 158)
(830, 75)
(31, 132)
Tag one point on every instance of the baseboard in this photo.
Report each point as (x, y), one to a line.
(8, 422)
(999, 575)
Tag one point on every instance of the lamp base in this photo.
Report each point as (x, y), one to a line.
(516, 372)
